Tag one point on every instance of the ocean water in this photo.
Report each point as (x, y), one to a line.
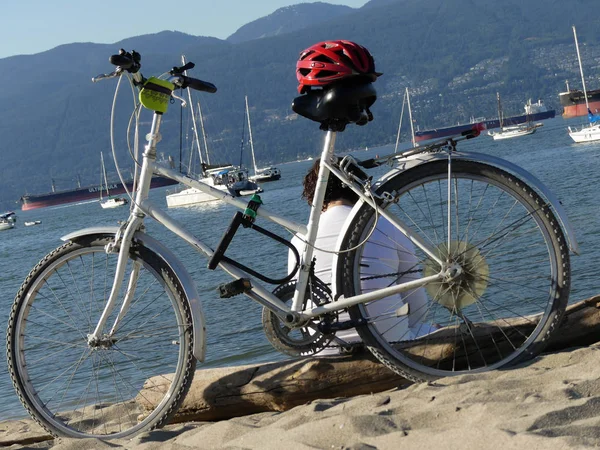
(234, 332)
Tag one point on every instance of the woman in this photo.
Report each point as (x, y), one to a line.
(388, 251)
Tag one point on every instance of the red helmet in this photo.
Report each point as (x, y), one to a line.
(330, 61)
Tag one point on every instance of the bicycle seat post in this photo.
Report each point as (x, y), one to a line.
(313, 221)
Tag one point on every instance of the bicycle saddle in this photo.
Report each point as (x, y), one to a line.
(337, 105)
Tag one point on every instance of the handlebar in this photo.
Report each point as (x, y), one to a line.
(131, 62)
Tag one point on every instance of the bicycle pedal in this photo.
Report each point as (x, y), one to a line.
(234, 288)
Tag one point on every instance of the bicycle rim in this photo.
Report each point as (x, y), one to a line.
(506, 302)
(133, 380)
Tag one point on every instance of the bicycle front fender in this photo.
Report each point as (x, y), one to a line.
(188, 285)
(527, 177)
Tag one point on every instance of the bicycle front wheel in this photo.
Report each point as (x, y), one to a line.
(132, 379)
(509, 293)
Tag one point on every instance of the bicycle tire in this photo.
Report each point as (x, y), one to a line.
(506, 303)
(135, 380)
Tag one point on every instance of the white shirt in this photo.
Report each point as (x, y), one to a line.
(386, 251)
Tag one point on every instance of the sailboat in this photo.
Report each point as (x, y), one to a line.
(260, 175)
(7, 220)
(588, 132)
(513, 131)
(110, 201)
(406, 101)
(225, 177)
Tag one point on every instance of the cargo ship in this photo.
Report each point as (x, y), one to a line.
(573, 102)
(83, 194)
(533, 112)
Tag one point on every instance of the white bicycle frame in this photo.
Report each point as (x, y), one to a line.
(143, 206)
(293, 315)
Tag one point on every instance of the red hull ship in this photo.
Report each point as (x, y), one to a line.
(83, 194)
(533, 113)
(573, 102)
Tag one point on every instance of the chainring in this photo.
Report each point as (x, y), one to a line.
(305, 340)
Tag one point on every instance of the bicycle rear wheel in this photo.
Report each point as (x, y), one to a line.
(500, 310)
(130, 381)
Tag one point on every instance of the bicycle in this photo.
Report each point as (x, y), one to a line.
(490, 243)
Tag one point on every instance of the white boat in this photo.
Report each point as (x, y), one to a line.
(406, 100)
(7, 220)
(32, 223)
(591, 131)
(110, 201)
(260, 175)
(535, 108)
(229, 179)
(514, 131)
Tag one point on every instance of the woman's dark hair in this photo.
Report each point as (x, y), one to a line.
(335, 190)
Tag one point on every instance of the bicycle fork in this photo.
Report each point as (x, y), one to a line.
(97, 338)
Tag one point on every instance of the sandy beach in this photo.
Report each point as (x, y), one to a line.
(551, 402)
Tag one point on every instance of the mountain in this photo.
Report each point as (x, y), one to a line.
(288, 19)
(453, 56)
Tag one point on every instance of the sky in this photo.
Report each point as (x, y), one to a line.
(34, 26)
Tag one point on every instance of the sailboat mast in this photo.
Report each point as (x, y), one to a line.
(412, 128)
(193, 116)
(203, 133)
(587, 106)
(500, 113)
(400, 124)
(250, 134)
(105, 184)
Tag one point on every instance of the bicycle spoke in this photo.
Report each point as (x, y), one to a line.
(497, 306)
(83, 387)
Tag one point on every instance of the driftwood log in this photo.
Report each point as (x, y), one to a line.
(223, 393)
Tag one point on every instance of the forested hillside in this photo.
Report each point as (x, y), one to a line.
(288, 19)
(454, 57)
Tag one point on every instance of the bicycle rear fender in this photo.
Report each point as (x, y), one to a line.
(499, 163)
(188, 285)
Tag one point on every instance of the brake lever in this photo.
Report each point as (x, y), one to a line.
(181, 99)
(104, 76)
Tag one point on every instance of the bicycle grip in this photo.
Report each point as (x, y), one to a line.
(198, 85)
(123, 61)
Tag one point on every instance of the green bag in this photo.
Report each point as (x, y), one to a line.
(156, 94)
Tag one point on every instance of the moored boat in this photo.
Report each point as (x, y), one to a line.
(83, 194)
(7, 220)
(265, 174)
(513, 131)
(589, 132)
(111, 201)
(227, 178)
(231, 180)
(534, 112)
(573, 102)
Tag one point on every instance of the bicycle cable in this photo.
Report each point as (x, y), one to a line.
(134, 117)
(112, 135)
